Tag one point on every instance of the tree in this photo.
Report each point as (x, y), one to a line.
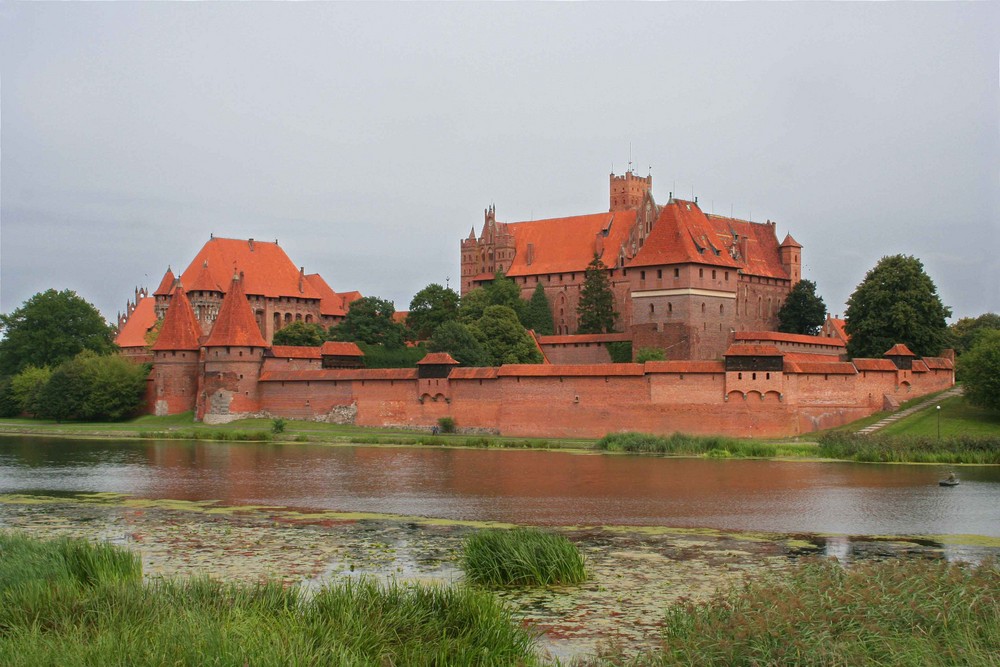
(430, 308)
(597, 302)
(897, 302)
(505, 339)
(473, 304)
(803, 311)
(538, 313)
(26, 388)
(369, 320)
(965, 331)
(300, 333)
(980, 369)
(458, 340)
(50, 328)
(649, 354)
(502, 291)
(94, 388)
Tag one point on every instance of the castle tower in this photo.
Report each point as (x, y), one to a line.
(176, 355)
(206, 297)
(791, 258)
(493, 251)
(628, 190)
(162, 293)
(233, 356)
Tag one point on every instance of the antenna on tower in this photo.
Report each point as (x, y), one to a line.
(630, 156)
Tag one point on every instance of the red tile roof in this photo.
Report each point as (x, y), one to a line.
(821, 368)
(340, 374)
(140, 321)
(839, 327)
(399, 316)
(564, 245)
(268, 270)
(808, 356)
(334, 348)
(202, 280)
(683, 234)
(235, 324)
(753, 351)
(473, 373)
(166, 285)
(567, 370)
(919, 366)
(939, 363)
(331, 303)
(685, 367)
(789, 242)
(437, 359)
(584, 338)
(779, 337)
(348, 297)
(294, 352)
(899, 350)
(180, 330)
(874, 365)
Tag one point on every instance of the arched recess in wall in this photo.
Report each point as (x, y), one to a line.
(735, 396)
(754, 396)
(772, 397)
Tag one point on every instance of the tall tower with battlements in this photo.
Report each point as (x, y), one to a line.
(628, 190)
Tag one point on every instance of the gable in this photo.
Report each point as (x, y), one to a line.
(266, 268)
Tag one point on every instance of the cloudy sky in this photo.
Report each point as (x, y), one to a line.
(368, 139)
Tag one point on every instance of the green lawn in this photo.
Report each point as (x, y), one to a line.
(957, 418)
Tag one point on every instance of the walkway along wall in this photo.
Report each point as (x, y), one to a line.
(699, 397)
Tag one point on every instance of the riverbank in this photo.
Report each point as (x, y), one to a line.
(636, 575)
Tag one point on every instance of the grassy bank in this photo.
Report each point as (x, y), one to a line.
(957, 418)
(885, 448)
(876, 613)
(71, 603)
(693, 445)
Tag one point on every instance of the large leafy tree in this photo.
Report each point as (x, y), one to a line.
(93, 388)
(473, 304)
(538, 313)
(501, 291)
(980, 370)
(504, 338)
(50, 328)
(897, 302)
(370, 320)
(596, 309)
(430, 308)
(458, 340)
(803, 311)
(300, 333)
(967, 330)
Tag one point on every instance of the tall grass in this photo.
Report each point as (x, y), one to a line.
(92, 613)
(521, 557)
(693, 445)
(882, 448)
(913, 612)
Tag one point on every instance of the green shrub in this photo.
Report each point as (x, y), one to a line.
(278, 425)
(521, 557)
(446, 424)
(620, 352)
(649, 354)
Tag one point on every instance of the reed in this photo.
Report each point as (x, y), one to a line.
(521, 557)
(694, 445)
(911, 612)
(80, 606)
(881, 448)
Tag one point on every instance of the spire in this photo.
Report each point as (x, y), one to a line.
(180, 330)
(789, 242)
(235, 324)
(166, 285)
(203, 281)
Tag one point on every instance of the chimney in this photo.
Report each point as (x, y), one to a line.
(250, 243)
(530, 256)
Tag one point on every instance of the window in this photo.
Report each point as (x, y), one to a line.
(642, 275)
(727, 275)
(713, 274)
(701, 273)
(677, 273)
(652, 309)
(659, 273)
(703, 307)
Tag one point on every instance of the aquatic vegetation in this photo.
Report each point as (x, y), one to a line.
(883, 448)
(50, 615)
(897, 612)
(521, 557)
(693, 445)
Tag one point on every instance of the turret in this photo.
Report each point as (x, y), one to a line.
(791, 258)
(233, 355)
(176, 354)
(628, 190)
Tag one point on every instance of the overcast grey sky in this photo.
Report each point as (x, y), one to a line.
(369, 138)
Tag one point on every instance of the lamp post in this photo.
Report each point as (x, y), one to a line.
(939, 422)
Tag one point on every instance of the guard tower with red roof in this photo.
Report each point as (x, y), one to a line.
(176, 358)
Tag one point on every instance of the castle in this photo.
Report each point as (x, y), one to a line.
(278, 292)
(701, 284)
(683, 280)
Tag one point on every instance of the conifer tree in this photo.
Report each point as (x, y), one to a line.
(597, 302)
(538, 313)
(803, 311)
